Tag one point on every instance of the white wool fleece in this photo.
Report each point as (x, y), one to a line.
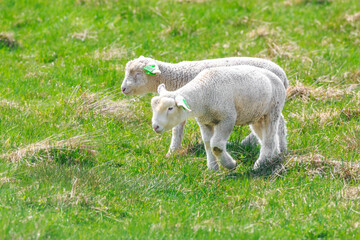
(222, 97)
(176, 75)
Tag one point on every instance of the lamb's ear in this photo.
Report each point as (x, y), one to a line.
(181, 102)
(161, 89)
(141, 57)
(152, 69)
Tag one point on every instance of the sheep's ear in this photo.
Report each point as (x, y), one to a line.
(161, 89)
(181, 102)
(152, 69)
(141, 57)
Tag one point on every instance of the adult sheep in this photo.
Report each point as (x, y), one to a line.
(139, 81)
(220, 98)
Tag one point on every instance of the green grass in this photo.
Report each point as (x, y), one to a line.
(62, 64)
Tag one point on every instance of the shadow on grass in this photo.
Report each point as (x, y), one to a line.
(245, 157)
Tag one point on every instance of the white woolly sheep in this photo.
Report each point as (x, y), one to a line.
(222, 97)
(139, 81)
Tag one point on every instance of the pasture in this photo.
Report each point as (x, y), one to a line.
(79, 160)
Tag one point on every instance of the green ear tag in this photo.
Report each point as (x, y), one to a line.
(186, 105)
(149, 69)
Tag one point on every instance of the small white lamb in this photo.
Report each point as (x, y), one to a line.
(220, 98)
(139, 81)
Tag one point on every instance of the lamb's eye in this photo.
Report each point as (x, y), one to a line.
(138, 74)
(170, 108)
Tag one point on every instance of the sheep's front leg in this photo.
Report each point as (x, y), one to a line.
(218, 142)
(206, 133)
(176, 139)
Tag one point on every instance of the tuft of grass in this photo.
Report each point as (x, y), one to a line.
(316, 164)
(49, 146)
(7, 40)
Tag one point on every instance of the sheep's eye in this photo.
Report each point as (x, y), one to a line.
(170, 108)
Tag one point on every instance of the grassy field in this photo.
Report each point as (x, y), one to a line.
(79, 160)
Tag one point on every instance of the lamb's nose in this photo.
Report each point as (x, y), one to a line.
(123, 89)
(156, 127)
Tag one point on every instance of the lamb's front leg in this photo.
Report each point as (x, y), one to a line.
(176, 139)
(218, 142)
(206, 134)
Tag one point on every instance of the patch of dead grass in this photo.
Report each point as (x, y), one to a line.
(82, 36)
(321, 117)
(10, 104)
(351, 192)
(7, 40)
(111, 53)
(353, 76)
(299, 90)
(353, 17)
(5, 180)
(104, 104)
(193, 1)
(327, 117)
(316, 164)
(282, 50)
(299, 2)
(81, 142)
(262, 31)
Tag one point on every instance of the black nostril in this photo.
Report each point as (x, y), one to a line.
(123, 89)
(156, 128)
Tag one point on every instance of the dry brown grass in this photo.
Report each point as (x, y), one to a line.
(299, 90)
(323, 117)
(298, 2)
(81, 142)
(5, 180)
(7, 40)
(103, 103)
(284, 50)
(329, 117)
(10, 104)
(262, 31)
(82, 36)
(353, 76)
(351, 192)
(353, 17)
(316, 164)
(111, 53)
(196, 1)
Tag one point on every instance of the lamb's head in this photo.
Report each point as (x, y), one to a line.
(168, 109)
(139, 76)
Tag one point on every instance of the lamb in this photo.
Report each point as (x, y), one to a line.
(222, 97)
(139, 81)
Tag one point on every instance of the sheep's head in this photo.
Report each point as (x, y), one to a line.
(139, 74)
(168, 109)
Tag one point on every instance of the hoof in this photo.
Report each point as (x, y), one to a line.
(229, 165)
(214, 167)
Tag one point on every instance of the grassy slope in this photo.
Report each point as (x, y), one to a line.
(128, 188)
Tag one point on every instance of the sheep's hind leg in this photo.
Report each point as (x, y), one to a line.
(282, 135)
(267, 131)
(206, 133)
(176, 139)
(249, 140)
(222, 132)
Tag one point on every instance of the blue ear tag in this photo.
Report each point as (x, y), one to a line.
(149, 69)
